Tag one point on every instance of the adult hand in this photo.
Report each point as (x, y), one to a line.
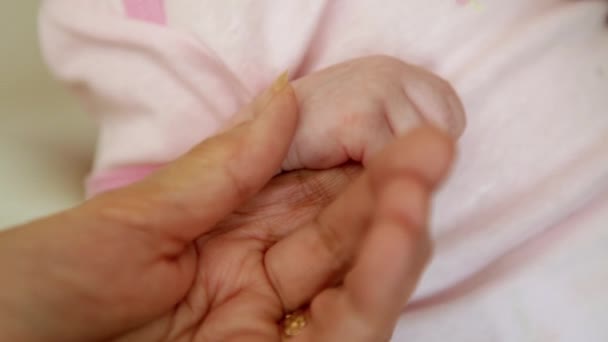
(169, 258)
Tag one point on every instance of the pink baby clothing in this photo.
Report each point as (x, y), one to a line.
(521, 227)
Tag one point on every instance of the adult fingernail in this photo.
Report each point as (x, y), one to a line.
(281, 82)
(272, 96)
(263, 100)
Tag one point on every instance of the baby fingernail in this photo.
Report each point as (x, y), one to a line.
(459, 119)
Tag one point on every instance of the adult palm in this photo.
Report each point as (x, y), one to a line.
(197, 253)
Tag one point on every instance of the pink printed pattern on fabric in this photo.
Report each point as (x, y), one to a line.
(152, 11)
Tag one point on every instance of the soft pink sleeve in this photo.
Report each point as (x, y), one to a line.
(155, 91)
(158, 83)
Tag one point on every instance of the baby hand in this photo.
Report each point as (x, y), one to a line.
(351, 110)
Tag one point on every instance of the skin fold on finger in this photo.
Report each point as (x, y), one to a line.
(288, 201)
(220, 174)
(391, 260)
(318, 253)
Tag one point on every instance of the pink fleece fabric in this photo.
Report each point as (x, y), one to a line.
(520, 227)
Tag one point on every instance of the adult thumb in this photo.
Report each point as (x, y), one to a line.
(191, 195)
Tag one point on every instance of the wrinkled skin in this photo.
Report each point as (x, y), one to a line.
(231, 262)
(197, 253)
(224, 286)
